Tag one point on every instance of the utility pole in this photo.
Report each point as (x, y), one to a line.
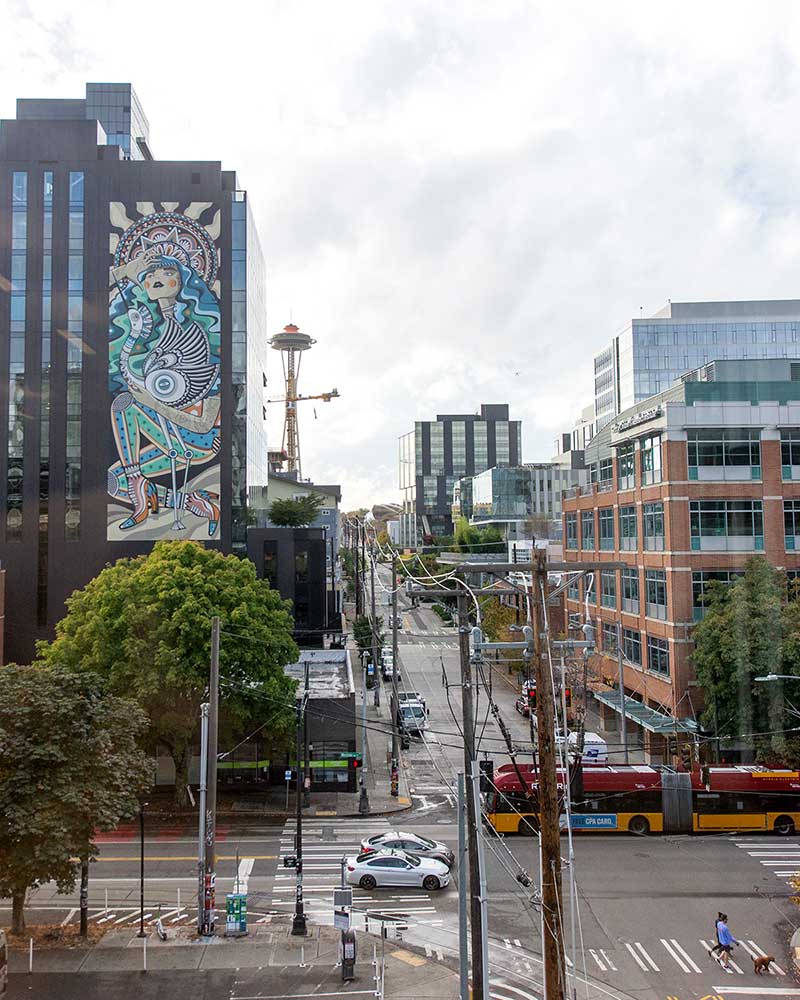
(299, 920)
(363, 798)
(549, 831)
(355, 566)
(201, 856)
(363, 532)
(468, 723)
(306, 758)
(209, 873)
(463, 948)
(622, 719)
(395, 778)
(374, 625)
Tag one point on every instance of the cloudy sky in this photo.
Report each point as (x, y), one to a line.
(461, 201)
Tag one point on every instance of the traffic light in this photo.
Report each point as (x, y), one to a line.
(568, 697)
(487, 775)
(532, 699)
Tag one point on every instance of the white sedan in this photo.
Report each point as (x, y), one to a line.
(379, 868)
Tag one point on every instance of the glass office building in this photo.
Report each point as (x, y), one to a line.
(651, 353)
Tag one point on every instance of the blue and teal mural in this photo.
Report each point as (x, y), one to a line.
(164, 372)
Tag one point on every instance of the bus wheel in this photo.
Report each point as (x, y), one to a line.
(639, 825)
(784, 826)
(526, 828)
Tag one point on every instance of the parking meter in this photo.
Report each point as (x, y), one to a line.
(348, 955)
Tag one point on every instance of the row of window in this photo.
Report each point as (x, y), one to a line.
(712, 453)
(657, 649)
(604, 585)
(652, 523)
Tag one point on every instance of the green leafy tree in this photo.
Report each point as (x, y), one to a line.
(496, 619)
(362, 633)
(70, 764)
(144, 624)
(469, 538)
(741, 637)
(296, 513)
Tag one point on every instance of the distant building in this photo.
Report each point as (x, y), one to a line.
(686, 485)
(652, 352)
(438, 452)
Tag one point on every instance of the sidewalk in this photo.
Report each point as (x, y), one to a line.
(267, 962)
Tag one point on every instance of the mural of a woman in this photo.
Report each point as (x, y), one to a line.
(164, 370)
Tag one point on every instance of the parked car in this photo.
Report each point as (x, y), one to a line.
(409, 696)
(386, 671)
(522, 705)
(378, 868)
(412, 717)
(412, 843)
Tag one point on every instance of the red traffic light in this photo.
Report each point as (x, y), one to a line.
(568, 697)
(532, 699)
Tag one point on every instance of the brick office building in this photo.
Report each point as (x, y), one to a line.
(684, 488)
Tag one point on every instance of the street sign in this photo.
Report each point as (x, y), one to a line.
(290, 861)
(349, 755)
(287, 775)
(341, 919)
(342, 897)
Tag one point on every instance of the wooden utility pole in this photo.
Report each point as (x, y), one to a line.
(468, 723)
(395, 777)
(550, 838)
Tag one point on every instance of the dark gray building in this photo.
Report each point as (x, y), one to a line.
(437, 453)
(132, 351)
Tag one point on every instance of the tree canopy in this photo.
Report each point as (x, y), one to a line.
(469, 538)
(144, 625)
(748, 630)
(70, 764)
(296, 513)
(362, 633)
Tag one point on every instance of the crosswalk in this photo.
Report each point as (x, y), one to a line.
(779, 857)
(325, 843)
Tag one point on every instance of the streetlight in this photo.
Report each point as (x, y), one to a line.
(141, 933)
(778, 677)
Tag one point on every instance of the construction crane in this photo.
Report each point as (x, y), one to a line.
(292, 343)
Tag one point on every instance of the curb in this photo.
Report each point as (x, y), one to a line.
(794, 947)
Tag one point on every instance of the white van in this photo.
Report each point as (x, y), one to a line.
(595, 749)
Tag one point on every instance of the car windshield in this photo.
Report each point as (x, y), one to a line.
(365, 856)
(416, 711)
(412, 859)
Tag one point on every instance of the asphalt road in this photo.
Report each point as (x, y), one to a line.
(645, 906)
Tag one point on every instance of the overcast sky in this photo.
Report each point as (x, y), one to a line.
(461, 201)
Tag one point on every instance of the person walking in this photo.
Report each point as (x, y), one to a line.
(712, 952)
(726, 942)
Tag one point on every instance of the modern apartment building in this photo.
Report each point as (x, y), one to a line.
(132, 351)
(652, 352)
(685, 487)
(439, 452)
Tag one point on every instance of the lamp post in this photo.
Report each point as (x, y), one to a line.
(141, 933)
(778, 677)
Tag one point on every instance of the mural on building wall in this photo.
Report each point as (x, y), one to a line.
(163, 364)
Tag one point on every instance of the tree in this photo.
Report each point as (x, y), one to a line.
(70, 764)
(740, 637)
(144, 625)
(496, 619)
(362, 633)
(468, 538)
(296, 513)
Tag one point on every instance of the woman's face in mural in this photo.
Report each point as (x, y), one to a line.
(162, 283)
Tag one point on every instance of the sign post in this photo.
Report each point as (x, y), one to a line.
(287, 774)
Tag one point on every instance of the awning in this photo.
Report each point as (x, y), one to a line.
(647, 718)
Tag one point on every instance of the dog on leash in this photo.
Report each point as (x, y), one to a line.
(761, 964)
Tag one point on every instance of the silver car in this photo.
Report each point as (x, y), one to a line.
(383, 868)
(423, 847)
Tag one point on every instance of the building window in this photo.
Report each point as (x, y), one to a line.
(720, 454)
(571, 529)
(72, 477)
(606, 471)
(608, 588)
(655, 582)
(653, 519)
(658, 655)
(626, 466)
(632, 646)
(629, 580)
(790, 452)
(791, 524)
(627, 528)
(573, 589)
(44, 397)
(609, 635)
(700, 581)
(16, 362)
(727, 525)
(651, 459)
(607, 528)
(587, 529)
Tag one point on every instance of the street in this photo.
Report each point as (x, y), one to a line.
(645, 907)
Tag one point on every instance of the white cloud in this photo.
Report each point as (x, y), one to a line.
(452, 193)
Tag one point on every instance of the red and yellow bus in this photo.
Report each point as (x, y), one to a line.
(641, 799)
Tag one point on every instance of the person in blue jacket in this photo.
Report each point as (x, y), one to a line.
(726, 942)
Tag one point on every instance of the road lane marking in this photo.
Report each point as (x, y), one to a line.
(675, 955)
(636, 958)
(181, 857)
(127, 916)
(597, 959)
(761, 991)
(686, 955)
(501, 984)
(731, 967)
(69, 916)
(517, 942)
(647, 957)
(608, 961)
(507, 943)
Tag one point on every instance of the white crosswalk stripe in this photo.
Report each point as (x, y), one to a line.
(731, 968)
(645, 956)
(781, 857)
(754, 951)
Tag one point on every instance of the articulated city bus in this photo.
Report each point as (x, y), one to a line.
(641, 799)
